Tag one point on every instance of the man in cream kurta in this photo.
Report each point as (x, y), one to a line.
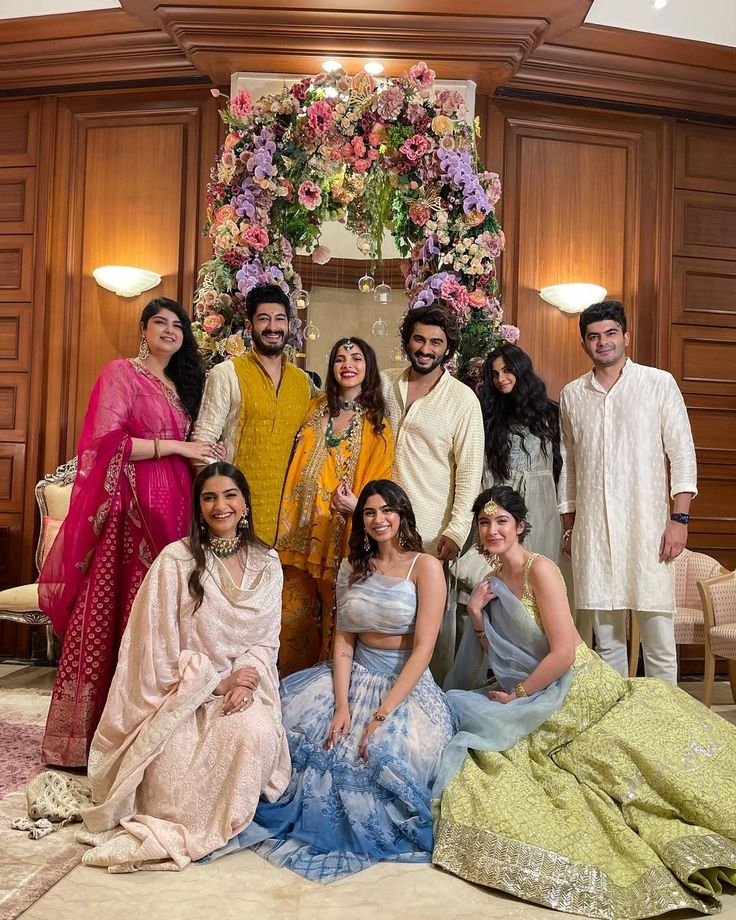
(621, 423)
(439, 445)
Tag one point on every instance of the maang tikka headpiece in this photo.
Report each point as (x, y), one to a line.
(490, 507)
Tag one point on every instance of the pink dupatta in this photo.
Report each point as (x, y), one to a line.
(121, 516)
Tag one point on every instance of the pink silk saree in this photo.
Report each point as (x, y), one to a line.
(122, 514)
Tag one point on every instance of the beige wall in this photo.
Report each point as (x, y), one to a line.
(339, 312)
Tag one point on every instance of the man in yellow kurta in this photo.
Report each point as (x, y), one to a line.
(256, 403)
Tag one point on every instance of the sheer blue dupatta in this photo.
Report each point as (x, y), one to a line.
(517, 645)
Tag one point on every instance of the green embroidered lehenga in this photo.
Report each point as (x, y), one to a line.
(622, 803)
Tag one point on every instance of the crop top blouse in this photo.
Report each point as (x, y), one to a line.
(381, 603)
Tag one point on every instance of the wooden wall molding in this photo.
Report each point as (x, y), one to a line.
(17, 199)
(704, 359)
(101, 48)
(704, 291)
(633, 68)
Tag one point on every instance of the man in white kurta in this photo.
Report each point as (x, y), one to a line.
(621, 423)
(439, 444)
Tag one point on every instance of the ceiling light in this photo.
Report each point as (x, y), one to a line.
(124, 280)
(659, 4)
(373, 68)
(331, 66)
(572, 298)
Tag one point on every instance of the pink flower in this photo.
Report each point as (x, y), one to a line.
(415, 147)
(478, 299)
(419, 214)
(289, 186)
(363, 83)
(389, 103)
(310, 195)
(450, 102)
(508, 333)
(256, 238)
(228, 159)
(320, 116)
(492, 185)
(224, 213)
(212, 323)
(378, 134)
(241, 105)
(422, 77)
(208, 299)
(215, 92)
(454, 293)
(321, 255)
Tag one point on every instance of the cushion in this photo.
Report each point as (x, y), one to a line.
(723, 641)
(56, 499)
(49, 531)
(22, 599)
(689, 626)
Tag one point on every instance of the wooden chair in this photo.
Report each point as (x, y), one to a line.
(690, 569)
(718, 597)
(20, 604)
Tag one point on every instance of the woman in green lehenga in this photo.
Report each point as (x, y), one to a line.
(568, 785)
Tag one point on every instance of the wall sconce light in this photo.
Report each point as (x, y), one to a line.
(124, 280)
(572, 298)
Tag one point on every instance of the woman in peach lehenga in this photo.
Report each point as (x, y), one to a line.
(191, 736)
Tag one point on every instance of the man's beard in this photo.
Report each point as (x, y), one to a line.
(270, 351)
(425, 368)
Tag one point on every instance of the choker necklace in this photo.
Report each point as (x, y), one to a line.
(224, 547)
(352, 405)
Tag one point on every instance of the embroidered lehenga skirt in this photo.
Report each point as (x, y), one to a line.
(622, 804)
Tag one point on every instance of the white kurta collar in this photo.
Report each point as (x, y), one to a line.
(596, 384)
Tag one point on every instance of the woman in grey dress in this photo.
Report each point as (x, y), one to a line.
(523, 441)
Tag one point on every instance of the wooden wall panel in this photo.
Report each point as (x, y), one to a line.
(561, 172)
(704, 360)
(19, 132)
(704, 158)
(704, 291)
(15, 336)
(16, 267)
(704, 225)
(17, 199)
(10, 550)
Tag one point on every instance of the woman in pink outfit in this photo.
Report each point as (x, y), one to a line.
(131, 498)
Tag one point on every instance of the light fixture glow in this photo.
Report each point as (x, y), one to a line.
(331, 66)
(572, 298)
(659, 4)
(124, 280)
(373, 68)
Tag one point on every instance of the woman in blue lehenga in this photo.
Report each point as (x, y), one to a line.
(367, 730)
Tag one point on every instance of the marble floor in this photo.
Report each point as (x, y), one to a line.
(244, 887)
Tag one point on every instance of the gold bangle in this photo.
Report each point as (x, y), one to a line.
(566, 534)
(156, 449)
(520, 691)
(480, 633)
(379, 717)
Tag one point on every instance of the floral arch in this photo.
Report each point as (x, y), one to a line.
(393, 154)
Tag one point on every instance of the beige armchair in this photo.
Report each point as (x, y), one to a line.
(20, 605)
(690, 569)
(718, 596)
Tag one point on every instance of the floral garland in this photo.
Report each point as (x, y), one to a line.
(373, 155)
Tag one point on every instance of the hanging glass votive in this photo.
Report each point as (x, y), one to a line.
(311, 331)
(382, 293)
(380, 328)
(301, 300)
(366, 284)
(397, 355)
(365, 245)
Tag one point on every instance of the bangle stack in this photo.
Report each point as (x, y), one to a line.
(156, 449)
(379, 716)
(566, 534)
(520, 691)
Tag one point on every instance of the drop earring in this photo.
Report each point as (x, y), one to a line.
(366, 543)
(143, 350)
(242, 523)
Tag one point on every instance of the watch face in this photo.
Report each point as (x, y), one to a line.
(681, 518)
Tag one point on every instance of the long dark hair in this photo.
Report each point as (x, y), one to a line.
(508, 499)
(371, 397)
(397, 500)
(184, 369)
(527, 408)
(199, 532)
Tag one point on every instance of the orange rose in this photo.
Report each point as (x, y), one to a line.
(441, 124)
(224, 213)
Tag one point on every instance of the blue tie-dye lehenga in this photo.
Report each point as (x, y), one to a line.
(339, 813)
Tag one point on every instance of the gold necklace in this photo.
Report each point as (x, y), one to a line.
(224, 547)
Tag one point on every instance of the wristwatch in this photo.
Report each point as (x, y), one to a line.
(680, 518)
